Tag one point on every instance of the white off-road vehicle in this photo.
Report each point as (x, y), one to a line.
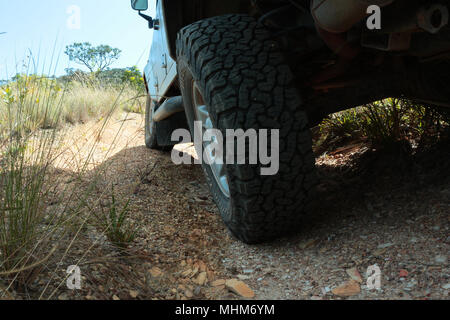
(285, 64)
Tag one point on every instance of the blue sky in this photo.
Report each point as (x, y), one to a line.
(39, 24)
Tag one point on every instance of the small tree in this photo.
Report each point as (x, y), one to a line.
(94, 58)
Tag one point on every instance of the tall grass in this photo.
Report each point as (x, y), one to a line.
(26, 155)
(47, 103)
(34, 111)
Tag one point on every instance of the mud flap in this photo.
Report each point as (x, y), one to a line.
(166, 127)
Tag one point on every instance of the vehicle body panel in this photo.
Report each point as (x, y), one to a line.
(161, 70)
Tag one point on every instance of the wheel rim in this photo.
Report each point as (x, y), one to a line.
(202, 115)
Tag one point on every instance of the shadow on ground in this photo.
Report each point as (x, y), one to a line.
(373, 208)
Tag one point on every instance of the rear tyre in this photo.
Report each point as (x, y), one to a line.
(233, 76)
(151, 140)
(158, 135)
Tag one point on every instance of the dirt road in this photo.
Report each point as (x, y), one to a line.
(372, 209)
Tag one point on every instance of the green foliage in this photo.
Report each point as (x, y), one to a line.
(119, 77)
(133, 77)
(383, 123)
(344, 124)
(94, 58)
(29, 102)
(115, 223)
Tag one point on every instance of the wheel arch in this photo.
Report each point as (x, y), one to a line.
(181, 13)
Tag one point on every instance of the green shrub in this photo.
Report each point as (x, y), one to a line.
(384, 123)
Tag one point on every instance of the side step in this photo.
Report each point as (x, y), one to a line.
(170, 107)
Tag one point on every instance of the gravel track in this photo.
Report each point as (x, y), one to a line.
(373, 208)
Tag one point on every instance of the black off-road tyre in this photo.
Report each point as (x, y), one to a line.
(246, 84)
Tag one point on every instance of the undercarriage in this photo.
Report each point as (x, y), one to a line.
(338, 61)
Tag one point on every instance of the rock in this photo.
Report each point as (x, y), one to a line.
(441, 259)
(413, 240)
(201, 279)
(198, 291)
(202, 266)
(316, 298)
(380, 252)
(354, 274)
(186, 273)
(347, 289)
(385, 245)
(218, 283)
(211, 275)
(194, 272)
(403, 273)
(446, 286)
(188, 293)
(267, 270)
(115, 298)
(240, 288)
(133, 294)
(248, 271)
(156, 272)
(326, 290)
(243, 277)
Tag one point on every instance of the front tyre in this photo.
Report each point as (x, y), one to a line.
(233, 76)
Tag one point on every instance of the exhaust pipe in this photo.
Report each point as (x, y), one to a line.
(170, 107)
(434, 18)
(339, 16)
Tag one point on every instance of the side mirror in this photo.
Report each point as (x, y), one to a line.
(142, 5)
(139, 5)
